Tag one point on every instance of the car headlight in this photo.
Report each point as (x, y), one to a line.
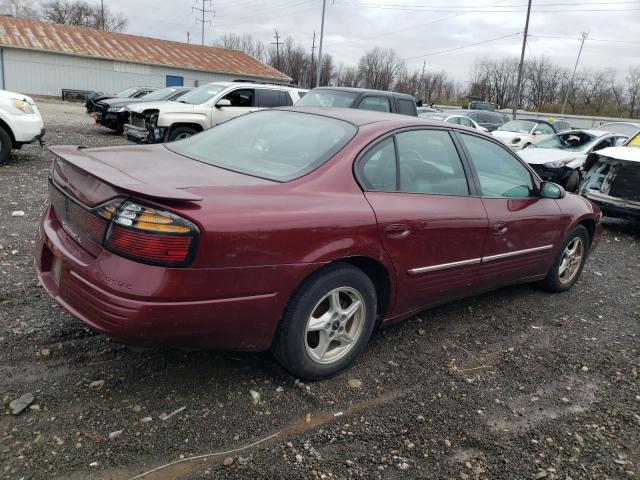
(22, 105)
(558, 163)
(516, 140)
(117, 109)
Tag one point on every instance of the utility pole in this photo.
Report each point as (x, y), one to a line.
(423, 81)
(570, 86)
(319, 65)
(277, 43)
(102, 14)
(313, 47)
(188, 37)
(203, 11)
(516, 101)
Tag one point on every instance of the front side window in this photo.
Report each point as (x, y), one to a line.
(202, 94)
(454, 120)
(241, 98)
(272, 144)
(544, 129)
(500, 174)
(377, 104)
(378, 172)
(429, 163)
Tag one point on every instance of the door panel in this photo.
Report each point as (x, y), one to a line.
(435, 243)
(520, 239)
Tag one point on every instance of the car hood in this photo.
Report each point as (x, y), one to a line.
(121, 102)
(20, 96)
(627, 154)
(539, 156)
(163, 107)
(151, 170)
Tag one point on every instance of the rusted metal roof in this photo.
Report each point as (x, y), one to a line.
(87, 42)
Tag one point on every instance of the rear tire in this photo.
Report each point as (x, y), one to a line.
(5, 146)
(179, 133)
(569, 263)
(327, 323)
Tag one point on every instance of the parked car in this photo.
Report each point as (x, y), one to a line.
(297, 230)
(113, 112)
(455, 119)
(612, 179)
(626, 128)
(203, 108)
(360, 98)
(479, 105)
(519, 134)
(92, 101)
(20, 123)
(489, 120)
(559, 158)
(559, 124)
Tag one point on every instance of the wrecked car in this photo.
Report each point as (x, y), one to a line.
(113, 112)
(559, 158)
(92, 100)
(202, 108)
(612, 180)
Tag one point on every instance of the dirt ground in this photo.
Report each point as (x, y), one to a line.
(514, 384)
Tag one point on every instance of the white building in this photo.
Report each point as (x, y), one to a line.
(43, 58)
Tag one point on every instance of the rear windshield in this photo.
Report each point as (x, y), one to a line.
(127, 92)
(202, 94)
(327, 98)
(520, 126)
(433, 116)
(271, 144)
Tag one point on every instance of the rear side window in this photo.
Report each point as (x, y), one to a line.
(406, 107)
(429, 163)
(454, 120)
(377, 104)
(378, 173)
(500, 174)
(268, 98)
(466, 122)
(488, 118)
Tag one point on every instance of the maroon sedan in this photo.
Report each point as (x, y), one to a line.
(299, 230)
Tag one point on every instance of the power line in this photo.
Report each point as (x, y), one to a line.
(432, 7)
(575, 67)
(277, 43)
(203, 11)
(590, 39)
(463, 46)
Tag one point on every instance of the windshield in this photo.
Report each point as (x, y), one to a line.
(202, 94)
(574, 141)
(520, 126)
(432, 116)
(271, 144)
(634, 142)
(161, 94)
(127, 92)
(327, 98)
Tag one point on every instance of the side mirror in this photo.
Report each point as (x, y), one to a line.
(552, 190)
(224, 102)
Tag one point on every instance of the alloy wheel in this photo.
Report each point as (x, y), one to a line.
(571, 260)
(335, 325)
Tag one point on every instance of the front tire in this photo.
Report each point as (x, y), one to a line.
(180, 133)
(5, 146)
(569, 263)
(327, 323)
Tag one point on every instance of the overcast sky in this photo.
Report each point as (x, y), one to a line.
(412, 27)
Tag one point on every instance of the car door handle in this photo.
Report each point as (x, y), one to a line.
(500, 228)
(396, 230)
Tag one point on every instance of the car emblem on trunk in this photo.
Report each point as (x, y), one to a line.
(71, 233)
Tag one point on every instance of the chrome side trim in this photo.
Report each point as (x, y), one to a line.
(517, 252)
(474, 261)
(443, 266)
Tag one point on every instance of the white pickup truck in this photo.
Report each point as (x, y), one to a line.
(20, 123)
(202, 108)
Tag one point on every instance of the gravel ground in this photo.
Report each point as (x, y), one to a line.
(514, 384)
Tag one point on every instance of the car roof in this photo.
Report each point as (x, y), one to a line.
(254, 84)
(359, 117)
(366, 90)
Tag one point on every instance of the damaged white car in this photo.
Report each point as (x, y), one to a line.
(612, 180)
(559, 158)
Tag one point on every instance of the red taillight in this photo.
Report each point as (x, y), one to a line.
(151, 236)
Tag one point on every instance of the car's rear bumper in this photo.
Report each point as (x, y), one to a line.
(230, 309)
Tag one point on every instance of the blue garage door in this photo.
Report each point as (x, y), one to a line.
(174, 81)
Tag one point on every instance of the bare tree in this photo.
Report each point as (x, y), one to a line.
(243, 43)
(378, 68)
(82, 14)
(633, 92)
(19, 8)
